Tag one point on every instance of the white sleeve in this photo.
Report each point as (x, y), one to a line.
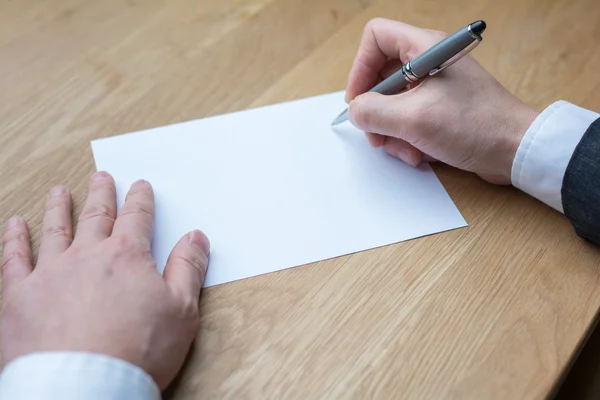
(546, 149)
(75, 375)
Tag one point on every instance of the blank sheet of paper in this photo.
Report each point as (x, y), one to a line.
(276, 187)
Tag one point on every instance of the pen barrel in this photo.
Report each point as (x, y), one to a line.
(441, 52)
(392, 85)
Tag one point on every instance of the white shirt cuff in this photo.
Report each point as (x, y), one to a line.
(75, 375)
(546, 149)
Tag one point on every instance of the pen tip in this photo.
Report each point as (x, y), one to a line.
(340, 118)
(478, 27)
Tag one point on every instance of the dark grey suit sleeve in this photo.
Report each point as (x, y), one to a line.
(581, 186)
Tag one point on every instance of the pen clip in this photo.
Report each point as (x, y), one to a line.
(460, 55)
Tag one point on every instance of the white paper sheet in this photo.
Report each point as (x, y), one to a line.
(276, 187)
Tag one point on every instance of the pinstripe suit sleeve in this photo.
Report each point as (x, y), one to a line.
(558, 162)
(581, 185)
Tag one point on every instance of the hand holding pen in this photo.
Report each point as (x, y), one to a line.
(443, 54)
(462, 116)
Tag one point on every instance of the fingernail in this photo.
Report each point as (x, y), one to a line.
(199, 239)
(99, 175)
(57, 191)
(407, 156)
(140, 183)
(13, 221)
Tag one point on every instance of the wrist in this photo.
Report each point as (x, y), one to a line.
(524, 116)
(513, 124)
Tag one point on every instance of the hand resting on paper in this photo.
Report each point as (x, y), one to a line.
(462, 116)
(99, 291)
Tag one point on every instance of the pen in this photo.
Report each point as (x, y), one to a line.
(434, 60)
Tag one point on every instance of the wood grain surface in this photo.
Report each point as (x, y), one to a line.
(492, 311)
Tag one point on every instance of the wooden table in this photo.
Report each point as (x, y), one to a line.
(492, 311)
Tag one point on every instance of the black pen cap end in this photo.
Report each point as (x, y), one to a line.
(478, 27)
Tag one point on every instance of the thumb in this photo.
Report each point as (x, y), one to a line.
(377, 113)
(187, 264)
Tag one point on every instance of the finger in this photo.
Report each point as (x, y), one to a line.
(57, 227)
(382, 40)
(16, 256)
(136, 217)
(187, 264)
(99, 212)
(403, 150)
(375, 140)
(385, 115)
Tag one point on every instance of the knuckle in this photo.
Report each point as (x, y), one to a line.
(54, 203)
(122, 244)
(196, 260)
(127, 247)
(139, 208)
(106, 184)
(57, 231)
(11, 235)
(94, 211)
(13, 258)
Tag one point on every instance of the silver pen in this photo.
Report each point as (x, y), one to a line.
(442, 55)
